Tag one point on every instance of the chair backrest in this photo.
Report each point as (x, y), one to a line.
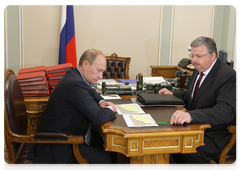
(117, 67)
(15, 115)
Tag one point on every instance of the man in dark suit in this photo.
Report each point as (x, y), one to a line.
(72, 108)
(213, 103)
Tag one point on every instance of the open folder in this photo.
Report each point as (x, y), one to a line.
(159, 99)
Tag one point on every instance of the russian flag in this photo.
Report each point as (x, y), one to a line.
(67, 45)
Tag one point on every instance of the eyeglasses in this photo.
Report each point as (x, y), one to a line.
(197, 56)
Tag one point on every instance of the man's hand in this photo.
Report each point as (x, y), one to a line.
(103, 104)
(180, 117)
(164, 91)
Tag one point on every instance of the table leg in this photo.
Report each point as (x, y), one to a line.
(151, 159)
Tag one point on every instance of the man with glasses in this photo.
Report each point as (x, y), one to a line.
(210, 99)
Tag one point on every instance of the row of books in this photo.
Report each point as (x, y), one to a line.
(41, 80)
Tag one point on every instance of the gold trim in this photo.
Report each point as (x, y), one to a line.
(32, 105)
(113, 144)
(191, 145)
(41, 107)
(132, 150)
(162, 147)
(198, 139)
(157, 159)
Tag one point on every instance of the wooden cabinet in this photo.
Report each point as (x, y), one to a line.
(167, 71)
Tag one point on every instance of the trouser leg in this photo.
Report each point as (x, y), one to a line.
(94, 155)
(194, 158)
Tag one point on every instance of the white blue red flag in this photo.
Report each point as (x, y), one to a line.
(67, 45)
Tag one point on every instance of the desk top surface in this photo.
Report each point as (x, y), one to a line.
(158, 113)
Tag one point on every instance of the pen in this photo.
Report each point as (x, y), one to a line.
(161, 122)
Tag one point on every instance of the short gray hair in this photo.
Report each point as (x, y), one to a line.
(207, 42)
(90, 55)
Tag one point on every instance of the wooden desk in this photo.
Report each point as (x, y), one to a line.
(152, 144)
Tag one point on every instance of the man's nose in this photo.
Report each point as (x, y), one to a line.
(194, 59)
(100, 75)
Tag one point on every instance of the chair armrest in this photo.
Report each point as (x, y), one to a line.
(50, 136)
(62, 138)
(232, 129)
(231, 142)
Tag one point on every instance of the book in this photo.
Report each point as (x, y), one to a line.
(159, 99)
(36, 87)
(32, 69)
(34, 83)
(58, 68)
(36, 93)
(55, 78)
(35, 76)
(55, 74)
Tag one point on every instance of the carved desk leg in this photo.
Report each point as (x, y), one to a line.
(151, 159)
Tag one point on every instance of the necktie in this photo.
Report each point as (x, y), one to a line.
(197, 86)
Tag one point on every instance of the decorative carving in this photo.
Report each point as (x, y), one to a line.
(134, 146)
(118, 142)
(189, 143)
(33, 122)
(114, 55)
(161, 143)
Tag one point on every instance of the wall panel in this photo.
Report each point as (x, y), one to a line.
(40, 33)
(144, 33)
(2, 46)
(190, 22)
(130, 31)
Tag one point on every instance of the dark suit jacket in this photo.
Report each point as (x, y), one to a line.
(72, 106)
(214, 104)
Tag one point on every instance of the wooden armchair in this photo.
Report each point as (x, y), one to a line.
(17, 143)
(226, 157)
(117, 67)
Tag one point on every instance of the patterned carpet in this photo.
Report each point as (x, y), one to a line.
(4, 159)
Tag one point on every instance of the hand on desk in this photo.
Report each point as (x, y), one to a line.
(105, 103)
(164, 91)
(180, 117)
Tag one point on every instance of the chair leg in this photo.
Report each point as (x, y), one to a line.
(78, 155)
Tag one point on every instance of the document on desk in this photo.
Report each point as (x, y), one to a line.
(139, 120)
(154, 80)
(134, 116)
(133, 108)
(111, 96)
(109, 82)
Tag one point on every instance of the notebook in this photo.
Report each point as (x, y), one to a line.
(159, 99)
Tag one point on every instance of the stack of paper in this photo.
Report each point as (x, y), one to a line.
(33, 81)
(56, 72)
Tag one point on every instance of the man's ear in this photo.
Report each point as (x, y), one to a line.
(85, 64)
(214, 56)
